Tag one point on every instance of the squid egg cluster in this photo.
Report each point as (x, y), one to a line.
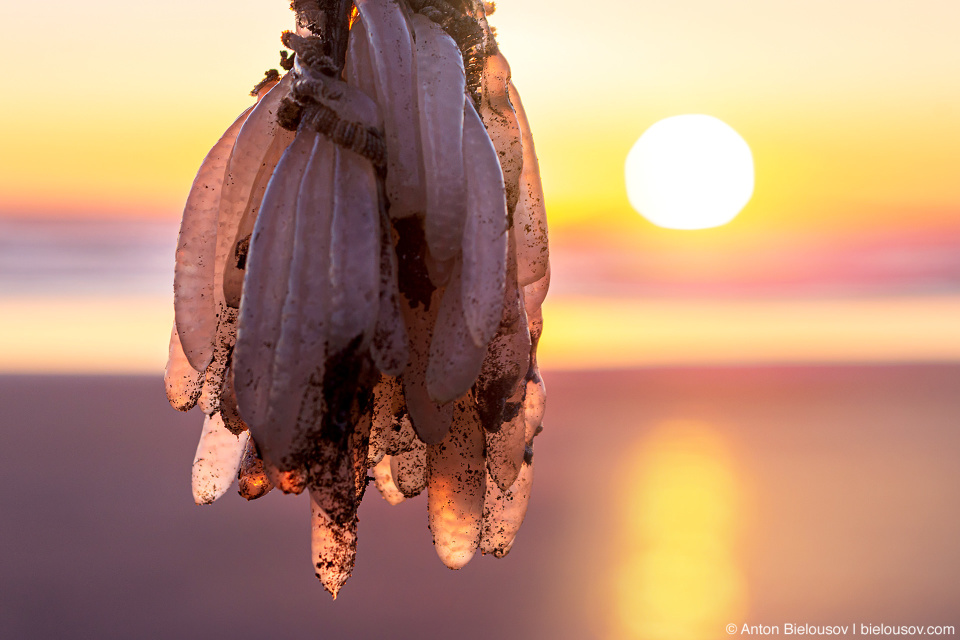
(358, 286)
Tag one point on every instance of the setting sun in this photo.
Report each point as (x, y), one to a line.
(689, 172)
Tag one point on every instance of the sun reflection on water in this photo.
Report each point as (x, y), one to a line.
(678, 577)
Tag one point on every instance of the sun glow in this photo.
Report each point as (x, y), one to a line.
(678, 576)
(689, 172)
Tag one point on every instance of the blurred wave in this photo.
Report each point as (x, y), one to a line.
(55, 257)
(52, 257)
(870, 263)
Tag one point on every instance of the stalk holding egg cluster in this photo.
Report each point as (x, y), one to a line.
(360, 270)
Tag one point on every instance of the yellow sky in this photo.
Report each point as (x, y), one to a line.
(847, 106)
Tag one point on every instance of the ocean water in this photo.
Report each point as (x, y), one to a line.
(66, 257)
(674, 499)
(85, 295)
(122, 257)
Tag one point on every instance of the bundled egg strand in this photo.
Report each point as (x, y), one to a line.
(360, 270)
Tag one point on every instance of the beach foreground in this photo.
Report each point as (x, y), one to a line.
(685, 499)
